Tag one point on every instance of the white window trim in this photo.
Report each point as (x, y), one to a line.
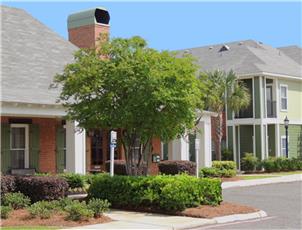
(281, 153)
(285, 86)
(26, 157)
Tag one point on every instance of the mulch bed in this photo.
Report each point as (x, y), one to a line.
(227, 179)
(202, 211)
(224, 209)
(21, 218)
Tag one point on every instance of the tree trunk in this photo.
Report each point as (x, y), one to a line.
(219, 135)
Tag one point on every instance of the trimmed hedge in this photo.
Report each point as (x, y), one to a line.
(42, 187)
(171, 167)
(8, 184)
(169, 193)
(74, 180)
(273, 164)
(219, 169)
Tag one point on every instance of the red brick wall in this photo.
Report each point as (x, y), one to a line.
(213, 130)
(86, 36)
(47, 127)
(47, 160)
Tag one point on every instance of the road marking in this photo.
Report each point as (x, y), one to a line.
(236, 222)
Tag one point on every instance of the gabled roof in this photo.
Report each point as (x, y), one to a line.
(245, 57)
(31, 55)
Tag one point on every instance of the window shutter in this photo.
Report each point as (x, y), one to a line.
(5, 148)
(34, 146)
(60, 151)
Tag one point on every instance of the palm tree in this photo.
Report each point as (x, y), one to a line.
(224, 89)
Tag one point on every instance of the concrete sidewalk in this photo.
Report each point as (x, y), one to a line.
(271, 180)
(140, 220)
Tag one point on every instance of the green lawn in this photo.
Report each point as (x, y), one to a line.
(267, 175)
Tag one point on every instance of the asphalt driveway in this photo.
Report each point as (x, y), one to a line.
(282, 202)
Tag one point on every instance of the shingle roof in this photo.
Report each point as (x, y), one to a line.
(245, 57)
(294, 52)
(31, 56)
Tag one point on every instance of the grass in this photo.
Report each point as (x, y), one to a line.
(267, 175)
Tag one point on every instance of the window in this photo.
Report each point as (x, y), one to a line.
(283, 97)
(283, 146)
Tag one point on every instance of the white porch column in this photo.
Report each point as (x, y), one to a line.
(205, 136)
(179, 149)
(75, 148)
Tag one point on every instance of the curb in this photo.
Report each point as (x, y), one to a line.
(264, 181)
(240, 217)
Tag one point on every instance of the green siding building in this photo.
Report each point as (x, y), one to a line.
(274, 79)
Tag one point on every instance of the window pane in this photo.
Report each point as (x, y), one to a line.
(17, 159)
(283, 103)
(18, 138)
(283, 92)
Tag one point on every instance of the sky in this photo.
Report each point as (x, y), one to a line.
(182, 24)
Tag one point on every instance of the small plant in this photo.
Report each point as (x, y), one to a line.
(78, 211)
(5, 211)
(249, 162)
(64, 202)
(42, 209)
(98, 206)
(74, 180)
(16, 200)
(227, 155)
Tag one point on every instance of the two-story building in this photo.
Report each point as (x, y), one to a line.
(274, 79)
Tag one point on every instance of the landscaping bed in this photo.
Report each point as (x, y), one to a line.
(21, 217)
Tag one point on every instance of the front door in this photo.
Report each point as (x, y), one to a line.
(97, 149)
(19, 146)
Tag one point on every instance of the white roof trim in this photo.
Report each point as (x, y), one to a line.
(269, 74)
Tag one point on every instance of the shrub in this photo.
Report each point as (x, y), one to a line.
(170, 193)
(249, 162)
(270, 165)
(64, 202)
(8, 184)
(74, 180)
(5, 211)
(170, 167)
(224, 165)
(42, 209)
(98, 206)
(119, 167)
(227, 155)
(78, 211)
(219, 169)
(42, 187)
(16, 200)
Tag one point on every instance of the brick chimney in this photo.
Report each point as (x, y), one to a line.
(85, 27)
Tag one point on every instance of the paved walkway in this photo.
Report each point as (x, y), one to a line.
(271, 180)
(139, 220)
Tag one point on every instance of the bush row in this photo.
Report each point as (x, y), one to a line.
(35, 187)
(44, 209)
(169, 193)
(219, 169)
(251, 163)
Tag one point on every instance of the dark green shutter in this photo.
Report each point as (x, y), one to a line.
(60, 153)
(34, 146)
(5, 148)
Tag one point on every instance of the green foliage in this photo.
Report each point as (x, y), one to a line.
(222, 88)
(42, 174)
(219, 169)
(78, 211)
(74, 180)
(42, 209)
(249, 162)
(5, 211)
(273, 164)
(64, 202)
(146, 92)
(98, 206)
(227, 155)
(16, 200)
(169, 193)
